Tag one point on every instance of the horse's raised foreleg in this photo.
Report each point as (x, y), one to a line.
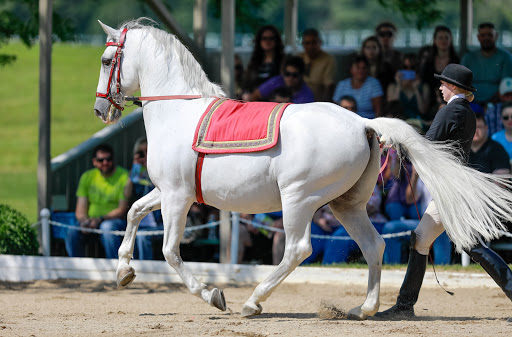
(148, 203)
(174, 213)
(359, 227)
(297, 225)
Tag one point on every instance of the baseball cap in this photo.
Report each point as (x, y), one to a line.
(506, 85)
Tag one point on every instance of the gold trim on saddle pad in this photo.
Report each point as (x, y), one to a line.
(270, 116)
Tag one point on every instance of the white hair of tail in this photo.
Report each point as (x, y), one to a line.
(471, 204)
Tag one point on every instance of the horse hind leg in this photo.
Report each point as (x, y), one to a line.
(350, 210)
(362, 231)
(297, 225)
(148, 203)
(174, 213)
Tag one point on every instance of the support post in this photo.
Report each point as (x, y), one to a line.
(465, 259)
(235, 230)
(45, 70)
(227, 60)
(224, 236)
(466, 25)
(45, 231)
(290, 25)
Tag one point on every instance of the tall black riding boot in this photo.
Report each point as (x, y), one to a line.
(494, 265)
(410, 289)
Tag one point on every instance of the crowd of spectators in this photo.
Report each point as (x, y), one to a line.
(382, 82)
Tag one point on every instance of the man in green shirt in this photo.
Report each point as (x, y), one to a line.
(100, 204)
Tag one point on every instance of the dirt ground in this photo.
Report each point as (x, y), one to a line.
(97, 308)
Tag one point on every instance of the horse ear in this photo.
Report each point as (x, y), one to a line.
(111, 32)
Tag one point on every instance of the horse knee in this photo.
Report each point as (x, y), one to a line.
(299, 251)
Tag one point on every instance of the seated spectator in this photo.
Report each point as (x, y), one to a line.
(487, 155)
(380, 69)
(138, 186)
(504, 137)
(493, 110)
(438, 56)
(365, 89)
(490, 64)
(408, 90)
(387, 32)
(320, 66)
(266, 59)
(255, 243)
(291, 78)
(282, 95)
(349, 103)
(101, 204)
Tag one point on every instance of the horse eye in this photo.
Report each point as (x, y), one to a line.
(106, 62)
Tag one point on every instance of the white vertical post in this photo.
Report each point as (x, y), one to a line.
(224, 233)
(227, 59)
(45, 231)
(235, 230)
(465, 259)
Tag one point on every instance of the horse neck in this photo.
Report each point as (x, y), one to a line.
(159, 77)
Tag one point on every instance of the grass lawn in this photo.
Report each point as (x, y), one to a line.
(75, 71)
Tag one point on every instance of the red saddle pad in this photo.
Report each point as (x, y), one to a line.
(229, 126)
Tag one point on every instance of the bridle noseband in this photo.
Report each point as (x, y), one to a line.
(117, 98)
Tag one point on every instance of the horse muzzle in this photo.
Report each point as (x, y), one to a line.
(106, 111)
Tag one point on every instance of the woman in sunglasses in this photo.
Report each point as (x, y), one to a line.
(504, 137)
(455, 122)
(266, 58)
(290, 78)
(386, 32)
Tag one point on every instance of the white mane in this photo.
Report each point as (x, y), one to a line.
(192, 72)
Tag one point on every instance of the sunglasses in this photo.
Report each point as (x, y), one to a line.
(291, 74)
(385, 34)
(506, 117)
(101, 160)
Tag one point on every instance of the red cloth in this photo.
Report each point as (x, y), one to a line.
(229, 126)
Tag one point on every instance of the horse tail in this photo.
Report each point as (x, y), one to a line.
(472, 205)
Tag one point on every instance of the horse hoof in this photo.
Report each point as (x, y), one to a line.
(125, 277)
(249, 310)
(356, 314)
(218, 300)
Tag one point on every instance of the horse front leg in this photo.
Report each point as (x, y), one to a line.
(148, 203)
(297, 226)
(360, 228)
(174, 213)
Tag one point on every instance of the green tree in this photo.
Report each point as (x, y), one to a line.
(20, 18)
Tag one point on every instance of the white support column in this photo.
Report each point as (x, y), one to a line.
(227, 58)
(290, 25)
(224, 236)
(199, 22)
(45, 231)
(235, 230)
(465, 259)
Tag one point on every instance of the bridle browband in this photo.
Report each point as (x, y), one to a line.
(117, 97)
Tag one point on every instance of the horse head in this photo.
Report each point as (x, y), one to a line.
(114, 83)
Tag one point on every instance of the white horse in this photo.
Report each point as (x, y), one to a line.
(325, 155)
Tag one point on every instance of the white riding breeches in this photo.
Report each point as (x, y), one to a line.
(429, 228)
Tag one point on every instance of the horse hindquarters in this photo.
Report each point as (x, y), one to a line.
(471, 204)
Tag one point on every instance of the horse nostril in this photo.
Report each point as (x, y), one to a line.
(97, 113)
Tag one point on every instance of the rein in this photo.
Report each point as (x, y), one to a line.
(117, 97)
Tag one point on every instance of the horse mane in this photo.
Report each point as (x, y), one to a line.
(193, 74)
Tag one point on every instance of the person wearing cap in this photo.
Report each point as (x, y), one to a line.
(494, 111)
(454, 122)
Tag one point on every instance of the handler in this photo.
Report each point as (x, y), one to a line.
(454, 122)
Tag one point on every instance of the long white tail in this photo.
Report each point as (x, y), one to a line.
(471, 204)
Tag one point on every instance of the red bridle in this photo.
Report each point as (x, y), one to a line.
(117, 98)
